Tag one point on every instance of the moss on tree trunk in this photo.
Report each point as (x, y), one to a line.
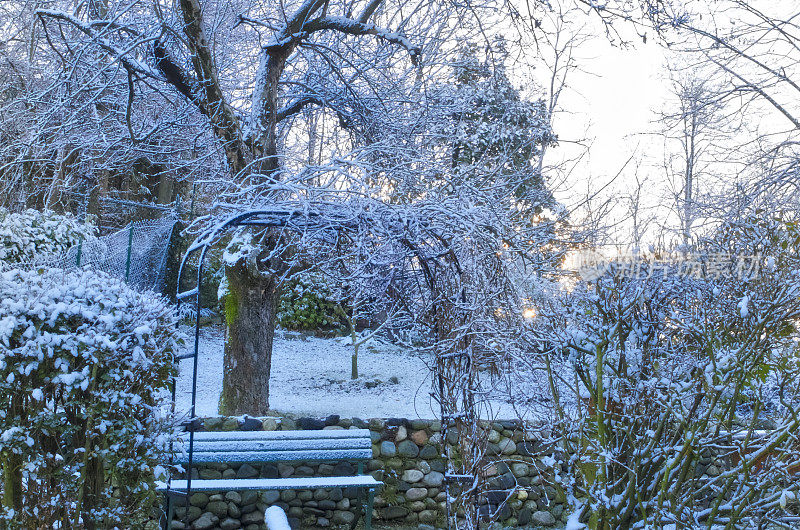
(250, 313)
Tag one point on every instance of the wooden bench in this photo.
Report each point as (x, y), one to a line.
(246, 447)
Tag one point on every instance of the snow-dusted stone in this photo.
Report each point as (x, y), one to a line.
(230, 524)
(205, 522)
(401, 434)
(428, 452)
(394, 512)
(519, 469)
(434, 478)
(408, 449)
(233, 496)
(543, 518)
(419, 437)
(213, 424)
(249, 497)
(230, 424)
(246, 471)
(343, 517)
(416, 506)
(388, 449)
(507, 446)
(269, 497)
(416, 494)
(310, 424)
(248, 423)
(198, 499)
(413, 475)
(218, 508)
(494, 436)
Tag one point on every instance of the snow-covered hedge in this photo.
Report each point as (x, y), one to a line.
(306, 304)
(85, 363)
(32, 234)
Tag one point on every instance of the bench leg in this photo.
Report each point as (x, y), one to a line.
(368, 515)
(359, 509)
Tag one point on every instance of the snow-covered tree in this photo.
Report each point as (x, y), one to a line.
(499, 135)
(85, 367)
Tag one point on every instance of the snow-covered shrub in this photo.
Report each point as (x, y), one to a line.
(85, 364)
(306, 304)
(32, 234)
(684, 391)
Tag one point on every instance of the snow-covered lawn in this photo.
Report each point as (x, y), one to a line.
(311, 376)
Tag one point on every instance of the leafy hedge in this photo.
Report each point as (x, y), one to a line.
(85, 364)
(306, 304)
(32, 234)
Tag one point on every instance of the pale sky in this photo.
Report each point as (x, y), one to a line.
(614, 103)
(611, 103)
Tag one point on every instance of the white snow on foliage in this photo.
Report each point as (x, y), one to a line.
(32, 234)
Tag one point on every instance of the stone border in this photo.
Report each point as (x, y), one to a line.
(406, 457)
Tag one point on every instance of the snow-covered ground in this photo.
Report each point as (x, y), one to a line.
(311, 376)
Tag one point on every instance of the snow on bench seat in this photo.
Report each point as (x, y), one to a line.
(276, 446)
(280, 435)
(236, 447)
(294, 483)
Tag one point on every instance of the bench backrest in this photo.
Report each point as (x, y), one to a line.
(276, 446)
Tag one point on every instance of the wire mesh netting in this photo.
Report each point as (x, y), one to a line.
(136, 253)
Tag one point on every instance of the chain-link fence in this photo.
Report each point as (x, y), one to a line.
(137, 253)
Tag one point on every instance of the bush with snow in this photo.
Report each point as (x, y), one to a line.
(32, 234)
(306, 304)
(686, 392)
(85, 364)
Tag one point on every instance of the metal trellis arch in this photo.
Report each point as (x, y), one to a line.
(299, 220)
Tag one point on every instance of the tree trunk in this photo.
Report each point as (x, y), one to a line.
(250, 313)
(12, 481)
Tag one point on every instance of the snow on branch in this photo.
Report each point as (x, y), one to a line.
(357, 27)
(129, 63)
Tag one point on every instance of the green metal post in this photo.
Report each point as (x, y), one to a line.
(80, 249)
(368, 515)
(130, 247)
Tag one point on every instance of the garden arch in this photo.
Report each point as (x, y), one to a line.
(454, 367)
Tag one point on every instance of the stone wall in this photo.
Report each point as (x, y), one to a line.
(521, 473)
